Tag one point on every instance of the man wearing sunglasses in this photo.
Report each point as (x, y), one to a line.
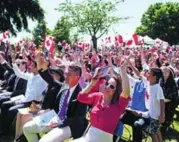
(71, 112)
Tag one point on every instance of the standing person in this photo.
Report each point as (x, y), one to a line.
(156, 105)
(107, 107)
(171, 95)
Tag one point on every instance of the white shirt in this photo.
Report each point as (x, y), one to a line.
(155, 95)
(35, 85)
(71, 92)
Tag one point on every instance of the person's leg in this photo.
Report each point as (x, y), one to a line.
(154, 138)
(159, 136)
(24, 120)
(18, 124)
(57, 135)
(21, 119)
(137, 134)
(30, 130)
(12, 112)
(4, 111)
(129, 119)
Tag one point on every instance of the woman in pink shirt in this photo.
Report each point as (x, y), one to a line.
(107, 107)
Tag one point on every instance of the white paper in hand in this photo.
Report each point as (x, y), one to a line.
(17, 98)
(46, 119)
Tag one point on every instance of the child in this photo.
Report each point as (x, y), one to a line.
(156, 104)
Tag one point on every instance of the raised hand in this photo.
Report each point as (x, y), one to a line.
(97, 75)
(13, 57)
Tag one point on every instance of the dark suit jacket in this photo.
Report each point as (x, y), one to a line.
(2, 71)
(21, 84)
(52, 91)
(10, 83)
(20, 88)
(76, 113)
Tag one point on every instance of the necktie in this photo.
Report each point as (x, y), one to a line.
(63, 106)
(15, 84)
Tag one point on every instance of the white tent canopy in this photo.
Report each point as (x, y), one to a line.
(148, 40)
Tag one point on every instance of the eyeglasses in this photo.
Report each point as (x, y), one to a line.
(111, 86)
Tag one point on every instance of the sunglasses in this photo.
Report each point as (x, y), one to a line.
(111, 86)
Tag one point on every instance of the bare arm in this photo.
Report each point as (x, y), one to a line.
(125, 81)
(162, 111)
(142, 55)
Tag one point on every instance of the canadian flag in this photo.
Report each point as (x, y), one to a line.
(50, 43)
(138, 39)
(6, 36)
(129, 42)
(119, 39)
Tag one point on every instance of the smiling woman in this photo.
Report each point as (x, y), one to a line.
(107, 107)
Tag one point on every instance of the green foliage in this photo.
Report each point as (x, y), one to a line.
(62, 30)
(93, 17)
(161, 20)
(39, 33)
(14, 14)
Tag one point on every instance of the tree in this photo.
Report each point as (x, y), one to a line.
(39, 33)
(161, 20)
(15, 14)
(93, 17)
(62, 30)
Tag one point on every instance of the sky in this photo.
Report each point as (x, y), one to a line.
(132, 8)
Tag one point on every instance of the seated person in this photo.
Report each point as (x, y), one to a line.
(48, 102)
(19, 84)
(106, 106)
(35, 86)
(71, 112)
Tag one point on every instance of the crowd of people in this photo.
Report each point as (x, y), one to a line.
(92, 93)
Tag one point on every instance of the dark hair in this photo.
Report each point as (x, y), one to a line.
(35, 64)
(166, 64)
(106, 62)
(60, 73)
(24, 63)
(157, 72)
(170, 81)
(170, 87)
(118, 90)
(158, 63)
(140, 64)
(76, 69)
